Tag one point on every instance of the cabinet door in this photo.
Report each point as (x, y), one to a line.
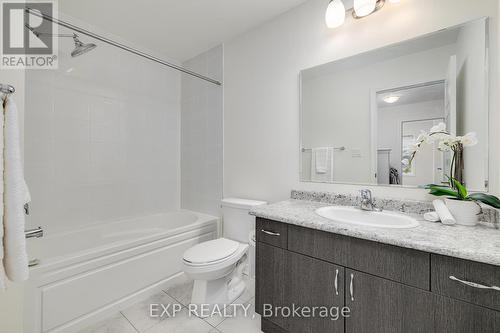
(313, 283)
(384, 306)
(453, 316)
(448, 275)
(269, 279)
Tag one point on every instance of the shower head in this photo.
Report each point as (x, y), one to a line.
(81, 48)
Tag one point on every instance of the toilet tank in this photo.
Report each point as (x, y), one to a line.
(237, 223)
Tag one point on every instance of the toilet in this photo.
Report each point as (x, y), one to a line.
(217, 266)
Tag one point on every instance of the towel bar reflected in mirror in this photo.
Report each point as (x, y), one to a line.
(334, 148)
(34, 233)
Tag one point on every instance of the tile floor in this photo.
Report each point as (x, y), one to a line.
(136, 318)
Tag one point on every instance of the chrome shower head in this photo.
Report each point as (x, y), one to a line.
(81, 48)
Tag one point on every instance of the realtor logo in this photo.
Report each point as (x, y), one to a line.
(21, 47)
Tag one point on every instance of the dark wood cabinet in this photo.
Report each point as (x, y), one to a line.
(453, 277)
(395, 263)
(271, 232)
(387, 289)
(454, 316)
(407, 266)
(269, 279)
(382, 306)
(312, 283)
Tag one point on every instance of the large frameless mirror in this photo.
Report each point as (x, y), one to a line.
(363, 117)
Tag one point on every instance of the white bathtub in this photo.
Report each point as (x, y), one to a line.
(87, 274)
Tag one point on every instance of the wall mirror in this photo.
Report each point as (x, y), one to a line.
(361, 116)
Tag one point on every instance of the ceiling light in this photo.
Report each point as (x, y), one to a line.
(391, 99)
(335, 14)
(394, 1)
(336, 11)
(364, 7)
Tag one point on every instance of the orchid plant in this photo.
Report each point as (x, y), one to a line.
(447, 142)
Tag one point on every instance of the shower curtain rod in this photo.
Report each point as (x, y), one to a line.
(119, 45)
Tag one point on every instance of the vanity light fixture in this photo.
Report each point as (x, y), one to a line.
(391, 99)
(364, 7)
(335, 13)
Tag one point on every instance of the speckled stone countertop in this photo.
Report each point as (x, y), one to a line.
(480, 243)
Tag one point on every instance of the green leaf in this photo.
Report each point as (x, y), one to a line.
(487, 199)
(462, 191)
(429, 186)
(440, 191)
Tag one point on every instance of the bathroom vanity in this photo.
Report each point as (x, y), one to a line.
(361, 118)
(430, 278)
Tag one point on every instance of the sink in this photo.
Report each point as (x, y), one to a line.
(352, 215)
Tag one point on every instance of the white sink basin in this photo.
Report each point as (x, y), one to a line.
(352, 215)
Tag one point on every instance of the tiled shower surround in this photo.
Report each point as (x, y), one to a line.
(102, 138)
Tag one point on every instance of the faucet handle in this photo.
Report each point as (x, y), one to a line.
(366, 194)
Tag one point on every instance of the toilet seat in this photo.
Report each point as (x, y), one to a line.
(211, 252)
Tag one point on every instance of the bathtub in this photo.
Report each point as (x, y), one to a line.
(88, 274)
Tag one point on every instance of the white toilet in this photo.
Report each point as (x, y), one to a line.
(217, 266)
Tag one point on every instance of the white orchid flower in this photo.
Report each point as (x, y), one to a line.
(437, 136)
(444, 146)
(405, 162)
(412, 148)
(423, 137)
(469, 139)
(451, 140)
(441, 127)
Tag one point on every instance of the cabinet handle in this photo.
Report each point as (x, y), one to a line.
(351, 287)
(336, 282)
(473, 284)
(270, 233)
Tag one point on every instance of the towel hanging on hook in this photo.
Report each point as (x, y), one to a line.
(14, 195)
(7, 88)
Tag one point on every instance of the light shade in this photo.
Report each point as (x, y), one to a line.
(394, 1)
(364, 7)
(391, 99)
(335, 14)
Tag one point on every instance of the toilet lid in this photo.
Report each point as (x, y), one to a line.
(210, 251)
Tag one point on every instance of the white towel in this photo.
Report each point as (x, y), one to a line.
(443, 212)
(320, 156)
(15, 195)
(432, 217)
(322, 164)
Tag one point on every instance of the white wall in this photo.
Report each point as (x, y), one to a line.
(102, 138)
(202, 135)
(389, 127)
(494, 120)
(261, 117)
(471, 85)
(425, 166)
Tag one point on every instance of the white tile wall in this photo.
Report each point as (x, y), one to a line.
(102, 140)
(202, 135)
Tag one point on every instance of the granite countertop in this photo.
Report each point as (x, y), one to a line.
(480, 243)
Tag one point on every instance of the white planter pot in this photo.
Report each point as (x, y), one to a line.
(464, 212)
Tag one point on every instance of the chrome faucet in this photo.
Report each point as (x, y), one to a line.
(367, 201)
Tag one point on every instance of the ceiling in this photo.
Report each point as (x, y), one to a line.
(178, 29)
(432, 92)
